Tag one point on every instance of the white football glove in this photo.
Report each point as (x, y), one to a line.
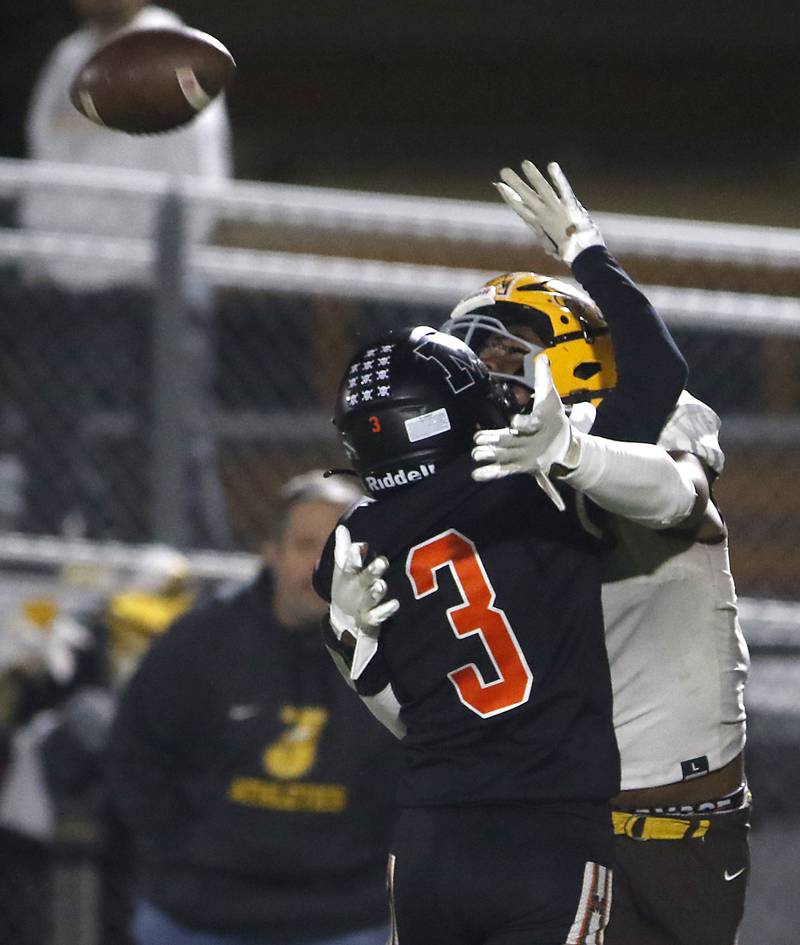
(357, 593)
(561, 224)
(534, 442)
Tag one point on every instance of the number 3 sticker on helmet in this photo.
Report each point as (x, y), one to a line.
(477, 614)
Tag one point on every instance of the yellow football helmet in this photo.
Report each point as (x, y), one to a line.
(536, 313)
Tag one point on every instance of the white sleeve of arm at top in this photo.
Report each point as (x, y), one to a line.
(638, 481)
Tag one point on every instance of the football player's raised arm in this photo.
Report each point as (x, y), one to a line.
(651, 371)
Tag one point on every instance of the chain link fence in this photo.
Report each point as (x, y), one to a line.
(169, 400)
(169, 403)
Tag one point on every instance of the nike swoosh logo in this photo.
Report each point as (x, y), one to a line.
(730, 876)
(239, 713)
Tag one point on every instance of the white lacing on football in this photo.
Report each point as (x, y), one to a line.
(192, 90)
(87, 104)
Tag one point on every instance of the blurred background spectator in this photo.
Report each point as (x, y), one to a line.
(258, 791)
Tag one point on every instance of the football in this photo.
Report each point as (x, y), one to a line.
(152, 80)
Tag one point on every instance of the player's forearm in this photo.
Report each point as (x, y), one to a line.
(638, 481)
(636, 327)
(651, 371)
(385, 706)
(373, 686)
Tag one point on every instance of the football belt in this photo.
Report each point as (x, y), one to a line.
(648, 827)
(659, 825)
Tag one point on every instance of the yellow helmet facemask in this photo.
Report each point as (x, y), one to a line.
(566, 321)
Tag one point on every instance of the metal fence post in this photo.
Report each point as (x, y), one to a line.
(169, 441)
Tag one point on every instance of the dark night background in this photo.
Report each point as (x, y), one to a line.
(685, 109)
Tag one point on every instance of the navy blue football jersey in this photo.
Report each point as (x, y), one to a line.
(497, 652)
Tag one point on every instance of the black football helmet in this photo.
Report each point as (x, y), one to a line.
(410, 402)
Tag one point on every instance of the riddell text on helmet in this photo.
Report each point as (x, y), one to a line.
(399, 478)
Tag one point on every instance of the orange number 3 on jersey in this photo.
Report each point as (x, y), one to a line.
(476, 615)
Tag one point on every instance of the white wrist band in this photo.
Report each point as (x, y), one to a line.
(578, 241)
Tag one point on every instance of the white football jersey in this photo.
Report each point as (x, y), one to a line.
(679, 661)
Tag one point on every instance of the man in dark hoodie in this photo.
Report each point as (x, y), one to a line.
(257, 789)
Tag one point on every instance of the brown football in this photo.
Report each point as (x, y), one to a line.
(151, 80)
